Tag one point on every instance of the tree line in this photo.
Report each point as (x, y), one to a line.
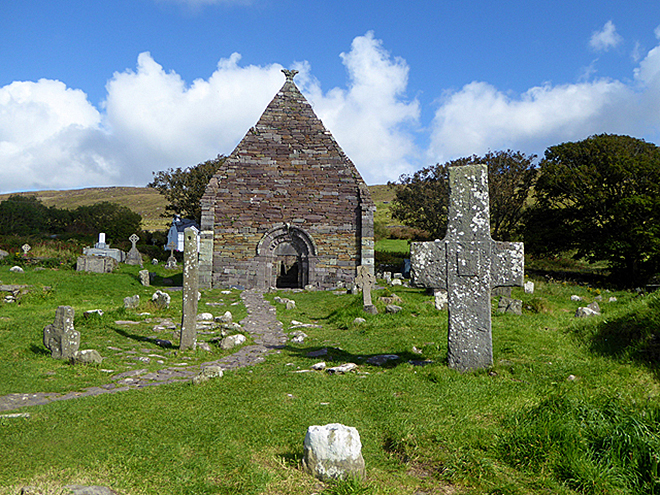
(28, 216)
(598, 198)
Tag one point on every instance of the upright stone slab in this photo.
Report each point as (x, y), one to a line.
(366, 281)
(468, 263)
(60, 338)
(190, 289)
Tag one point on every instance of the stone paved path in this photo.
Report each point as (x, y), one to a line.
(261, 323)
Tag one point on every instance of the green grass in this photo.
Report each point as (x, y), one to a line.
(393, 245)
(521, 427)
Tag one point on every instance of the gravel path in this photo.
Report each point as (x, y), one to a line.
(261, 323)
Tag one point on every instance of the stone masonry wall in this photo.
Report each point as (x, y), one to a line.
(288, 171)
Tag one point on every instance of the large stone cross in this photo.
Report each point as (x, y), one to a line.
(468, 263)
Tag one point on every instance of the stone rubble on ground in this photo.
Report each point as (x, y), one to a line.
(393, 308)
(87, 356)
(591, 310)
(508, 305)
(393, 299)
(16, 269)
(131, 302)
(344, 368)
(207, 373)
(161, 299)
(225, 318)
(298, 337)
(232, 341)
(93, 312)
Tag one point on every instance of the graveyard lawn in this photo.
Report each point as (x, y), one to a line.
(560, 411)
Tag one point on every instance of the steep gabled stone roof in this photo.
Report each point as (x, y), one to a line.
(287, 166)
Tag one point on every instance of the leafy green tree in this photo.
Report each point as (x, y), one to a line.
(184, 188)
(421, 200)
(23, 215)
(118, 222)
(601, 198)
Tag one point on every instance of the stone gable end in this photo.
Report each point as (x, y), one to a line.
(287, 208)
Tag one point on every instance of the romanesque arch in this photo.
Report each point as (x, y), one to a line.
(289, 254)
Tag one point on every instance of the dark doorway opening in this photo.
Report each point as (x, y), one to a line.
(288, 273)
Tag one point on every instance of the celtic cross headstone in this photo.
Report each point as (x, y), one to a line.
(134, 257)
(468, 263)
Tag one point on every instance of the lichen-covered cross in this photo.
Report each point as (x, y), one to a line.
(468, 263)
(365, 281)
(134, 238)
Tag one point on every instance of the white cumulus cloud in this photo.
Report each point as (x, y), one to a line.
(50, 137)
(371, 119)
(479, 117)
(162, 122)
(606, 38)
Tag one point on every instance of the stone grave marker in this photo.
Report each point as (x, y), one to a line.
(101, 248)
(468, 263)
(60, 338)
(96, 264)
(366, 281)
(26, 248)
(134, 257)
(190, 289)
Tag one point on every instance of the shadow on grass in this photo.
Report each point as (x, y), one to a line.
(340, 356)
(39, 351)
(634, 336)
(163, 343)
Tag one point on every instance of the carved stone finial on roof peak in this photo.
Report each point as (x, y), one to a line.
(290, 74)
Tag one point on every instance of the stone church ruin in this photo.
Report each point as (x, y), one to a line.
(288, 208)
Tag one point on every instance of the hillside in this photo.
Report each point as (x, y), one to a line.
(143, 200)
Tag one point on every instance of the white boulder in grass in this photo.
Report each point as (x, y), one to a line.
(333, 451)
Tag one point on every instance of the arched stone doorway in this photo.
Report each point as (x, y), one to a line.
(289, 255)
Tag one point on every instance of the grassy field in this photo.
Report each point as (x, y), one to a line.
(569, 406)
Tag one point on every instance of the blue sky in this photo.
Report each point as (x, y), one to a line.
(101, 92)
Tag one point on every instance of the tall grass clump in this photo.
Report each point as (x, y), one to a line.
(600, 445)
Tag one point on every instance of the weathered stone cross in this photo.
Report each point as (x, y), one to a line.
(366, 281)
(468, 263)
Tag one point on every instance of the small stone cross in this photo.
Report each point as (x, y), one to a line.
(468, 263)
(134, 239)
(366, 281)
(26, 248)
